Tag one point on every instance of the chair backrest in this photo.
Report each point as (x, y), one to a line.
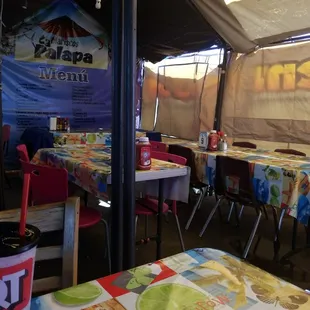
(6, 132)
(169, 157)
(190, 159)
(290, 152)
(247, 145)
(233, 179)
(159, 146)
(23, 153)
(154, 136)
(47, 184)
(62, 216)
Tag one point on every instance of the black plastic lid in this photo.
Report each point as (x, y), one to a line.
(11, 243)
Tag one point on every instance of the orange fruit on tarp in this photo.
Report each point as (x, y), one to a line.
(162, 92)
(181, 95)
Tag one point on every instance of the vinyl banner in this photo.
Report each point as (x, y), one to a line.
(56, 63)
(267, 95)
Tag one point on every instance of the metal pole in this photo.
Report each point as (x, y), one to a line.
(2, 180)
(129, 73)
(117, 140)
(220, 93)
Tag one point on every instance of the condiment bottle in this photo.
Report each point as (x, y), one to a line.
(225, 145)
(143, 154)
(213, 141)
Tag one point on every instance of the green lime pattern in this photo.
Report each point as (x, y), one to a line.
(91, 138)
(171, 296)
(78, 295)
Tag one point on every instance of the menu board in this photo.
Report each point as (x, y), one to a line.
(56, 64)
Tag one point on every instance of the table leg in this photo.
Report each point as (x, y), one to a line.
(159, 217)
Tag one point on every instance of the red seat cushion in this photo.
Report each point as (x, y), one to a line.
(149, 206)
(89, 217)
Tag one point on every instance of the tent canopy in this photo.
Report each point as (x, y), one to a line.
(247, 24)
(173, 27)
(165, 28)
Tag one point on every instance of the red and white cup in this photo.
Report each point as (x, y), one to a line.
(17, 258)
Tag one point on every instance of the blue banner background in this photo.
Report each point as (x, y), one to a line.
(30, 96)
(28, 101)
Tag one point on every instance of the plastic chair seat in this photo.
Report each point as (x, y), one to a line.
(89, 217)
(149, 206)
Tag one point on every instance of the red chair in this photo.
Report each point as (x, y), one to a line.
(149, 206)
(49, 185)
(159, 146)
(23, 153)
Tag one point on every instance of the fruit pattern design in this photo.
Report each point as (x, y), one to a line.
(68, 138)
(279, 180)
(199, 279)
(89, 166)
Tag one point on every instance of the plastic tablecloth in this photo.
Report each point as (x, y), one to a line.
(199, 279)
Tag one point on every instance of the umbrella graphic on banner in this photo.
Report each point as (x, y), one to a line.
(65, 28)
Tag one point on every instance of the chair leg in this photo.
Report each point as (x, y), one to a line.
(7, 180)
(136, 223)
(237, 216)
(232, 205)
(278, 225)
(294, 236)
(107, 232)
(251, 238)
(196, 207)
(265, 212)
(179, 232)
(241, 212)
(210, 217)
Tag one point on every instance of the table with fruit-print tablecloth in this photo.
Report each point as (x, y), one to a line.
(199, 279)
(279, 180)
(90, 168)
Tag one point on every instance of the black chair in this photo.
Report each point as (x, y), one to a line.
(242, 193)
(154, 136)
(247, 145)
(290, 152)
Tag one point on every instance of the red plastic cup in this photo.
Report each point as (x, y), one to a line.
(17, 258)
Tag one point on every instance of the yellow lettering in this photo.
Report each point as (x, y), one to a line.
(260, 78)
(304, 71)
(274, 77)
(289, 77)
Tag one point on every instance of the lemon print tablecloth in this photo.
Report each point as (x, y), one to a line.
(199, 279)
(89, 166)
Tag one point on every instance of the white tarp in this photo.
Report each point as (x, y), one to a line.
(245, 24)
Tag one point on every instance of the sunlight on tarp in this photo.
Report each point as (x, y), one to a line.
(231, 1)
(171, 66)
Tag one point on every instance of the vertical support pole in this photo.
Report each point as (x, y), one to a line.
(2, 179)
(129, 74)
(220, 93)
(117, 140)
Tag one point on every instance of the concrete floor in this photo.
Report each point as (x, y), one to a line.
(219, 235)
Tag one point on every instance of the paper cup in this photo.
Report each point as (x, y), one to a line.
(17, 258)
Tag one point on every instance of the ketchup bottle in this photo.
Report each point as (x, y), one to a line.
(213, 141)
(143, 154)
